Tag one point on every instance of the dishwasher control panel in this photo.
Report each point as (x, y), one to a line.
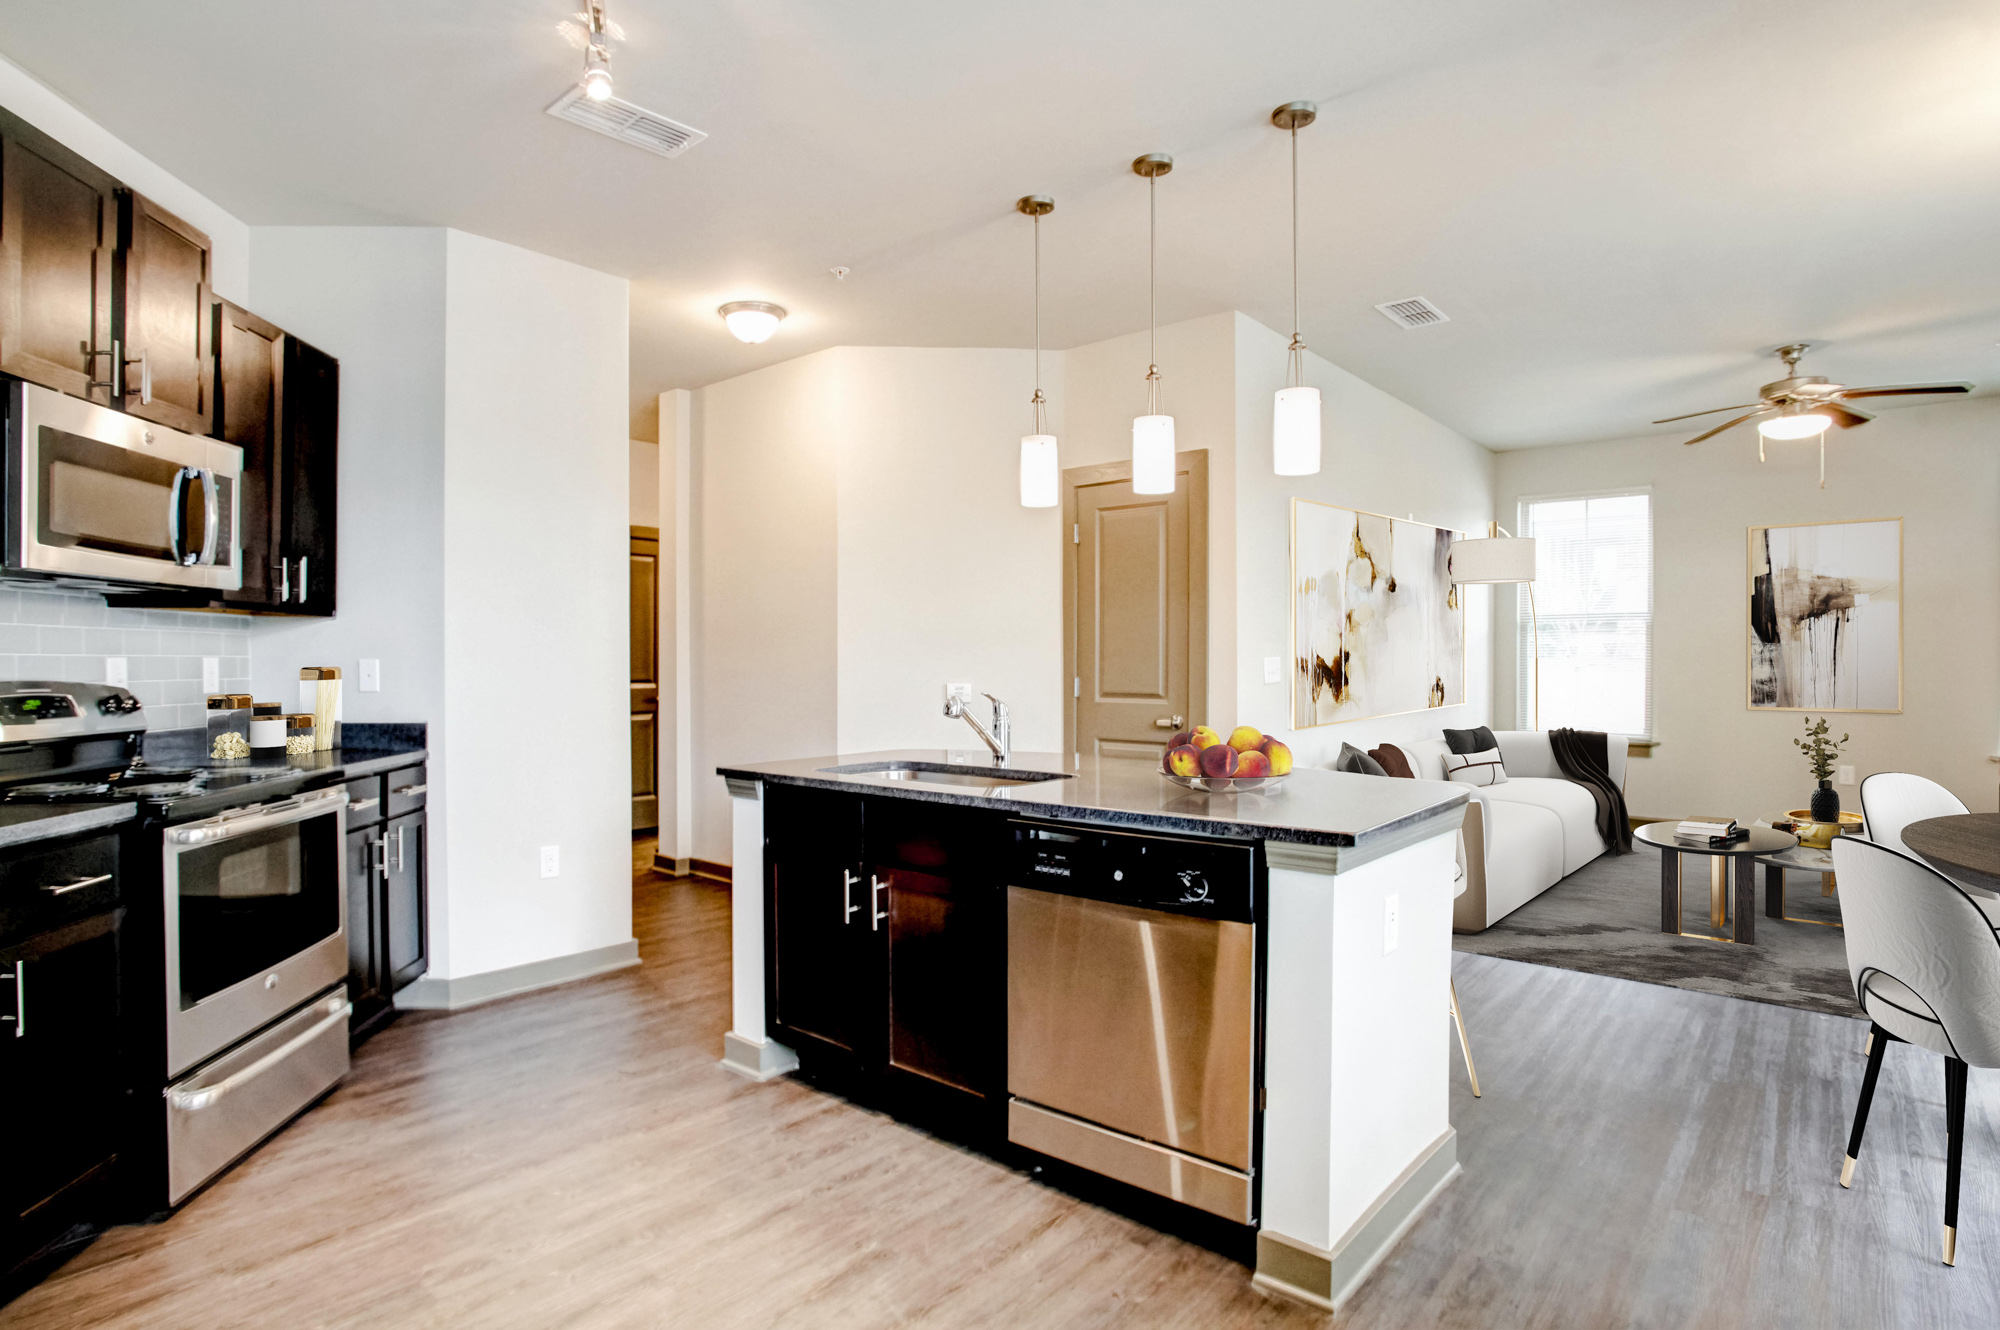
(1209, 879)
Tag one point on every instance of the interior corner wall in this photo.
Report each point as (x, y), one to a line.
(1936, 467)
(1378, 454)
(1105, 387)
(644, 483)
(536, 606)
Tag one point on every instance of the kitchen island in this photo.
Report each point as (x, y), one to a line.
(879, 895)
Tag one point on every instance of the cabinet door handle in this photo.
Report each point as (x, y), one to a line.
(875, 889)
(847, 881)
(399, 848)
(145, 379)
(19, 1019)
(356, 805)
(284, 580)
(382, 856)
(302, 578)
(90, 361)
(410, 789)
(65, 888)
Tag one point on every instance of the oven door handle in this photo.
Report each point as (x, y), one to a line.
(190, 1101)
(275, 815)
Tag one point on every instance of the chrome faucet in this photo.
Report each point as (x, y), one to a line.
(1000, 740)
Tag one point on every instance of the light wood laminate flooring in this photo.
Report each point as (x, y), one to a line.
(1643, 1156)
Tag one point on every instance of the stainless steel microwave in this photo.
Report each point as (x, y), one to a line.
(99, 498)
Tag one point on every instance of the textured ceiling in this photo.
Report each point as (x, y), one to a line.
(1620, 206)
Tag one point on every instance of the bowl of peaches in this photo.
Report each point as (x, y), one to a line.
(1201, 759)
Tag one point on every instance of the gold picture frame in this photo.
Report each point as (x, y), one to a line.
(1751, 611)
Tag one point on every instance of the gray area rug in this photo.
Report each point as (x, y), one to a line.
(1605, 919)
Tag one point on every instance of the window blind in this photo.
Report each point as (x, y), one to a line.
(1594, 592)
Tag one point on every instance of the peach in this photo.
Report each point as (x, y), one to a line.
(1218, 760)
(1245, 737)
(1279, 756)
(1252, 764)
(1184, 738)
(1184, 760)
(1205, 737)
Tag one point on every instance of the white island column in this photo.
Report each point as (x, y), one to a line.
(1357, 1128)
(746, 1048)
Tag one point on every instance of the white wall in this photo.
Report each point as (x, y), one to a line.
(229, 256)
(644, 480)
(1937, 467)
(1380, 455)
(536, 633)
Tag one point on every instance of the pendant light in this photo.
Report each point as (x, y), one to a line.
(1152, 433)
(1295, 415)
(1040, 475)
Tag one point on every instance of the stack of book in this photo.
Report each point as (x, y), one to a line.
(1714, 830)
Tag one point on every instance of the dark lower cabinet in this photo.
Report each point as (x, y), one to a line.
(886, 949)
(367, 988)
(386, 912)
(403, 956)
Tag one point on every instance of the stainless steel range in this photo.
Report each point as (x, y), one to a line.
(236, 929)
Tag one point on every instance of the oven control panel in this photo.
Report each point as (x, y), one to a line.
(37, 710)
(1211, 879)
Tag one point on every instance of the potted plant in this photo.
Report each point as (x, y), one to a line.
(1820, 752)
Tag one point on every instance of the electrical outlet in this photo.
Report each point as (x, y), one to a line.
(1392, 908)
(115, 672)
(551, 860)
(211, 674)
(961, 691)
(1846, 775)
(1274, 669)
(371, 676)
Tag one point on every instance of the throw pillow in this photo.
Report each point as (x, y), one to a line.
(1353, 759)
(1476, 768)
(1393, 761)
(1470, 741)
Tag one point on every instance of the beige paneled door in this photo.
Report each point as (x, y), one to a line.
(645, 678)
(1135, 621)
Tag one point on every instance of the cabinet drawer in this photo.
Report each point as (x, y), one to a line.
(406, 791)
(364, 801)
(52, 885)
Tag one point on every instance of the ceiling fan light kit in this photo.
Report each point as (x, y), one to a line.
(1041, 473)
(1152, 433)
(1295, 413)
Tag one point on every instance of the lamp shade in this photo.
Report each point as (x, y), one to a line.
(1295, 432)
(1802, 425)
(1153, 455)
(1039, 473)
(1493, 559)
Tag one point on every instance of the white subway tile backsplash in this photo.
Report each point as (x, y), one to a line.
(65, 635)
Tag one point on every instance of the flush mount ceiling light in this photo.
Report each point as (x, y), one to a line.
(752, 321)
(1295, 414)
(1040, 475)
(1152, 433)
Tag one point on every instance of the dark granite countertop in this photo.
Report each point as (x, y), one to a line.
(22, 824)
(370, 749)
(1309, 807)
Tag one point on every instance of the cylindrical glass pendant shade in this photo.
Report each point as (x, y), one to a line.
(1040, 476)
(1153, 455)
(1295, 432)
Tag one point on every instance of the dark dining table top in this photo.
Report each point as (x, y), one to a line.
(1964, 845)
(1761, 840)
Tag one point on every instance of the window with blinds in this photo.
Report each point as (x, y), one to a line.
(1594, 595)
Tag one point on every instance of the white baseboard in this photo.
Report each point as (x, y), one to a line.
(469, 990)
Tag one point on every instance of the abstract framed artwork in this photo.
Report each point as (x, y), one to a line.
(1826, 616)
(1377, 629)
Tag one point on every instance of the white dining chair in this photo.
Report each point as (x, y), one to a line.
(1925, 960)
(1891, 800)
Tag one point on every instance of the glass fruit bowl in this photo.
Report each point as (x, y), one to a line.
(1228, 784)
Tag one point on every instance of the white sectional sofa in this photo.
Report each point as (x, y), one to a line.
(1523, 836)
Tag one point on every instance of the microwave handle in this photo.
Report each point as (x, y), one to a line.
(174, 513)
(211, 506)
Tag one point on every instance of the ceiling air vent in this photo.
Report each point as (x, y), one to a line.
(1416, 312)
(627, 123)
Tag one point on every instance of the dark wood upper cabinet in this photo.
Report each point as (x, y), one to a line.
(58, 231)
(249, 395)
(165, 317)
(308, 476)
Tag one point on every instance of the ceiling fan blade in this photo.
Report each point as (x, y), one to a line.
(1762, 411)
(1711, 411)
(1844, 416)
(1910, 390)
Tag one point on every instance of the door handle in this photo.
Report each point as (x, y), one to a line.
(1166, 722)
(875, 889)
(382, 857)
(90, 359)
(65, 888)
(145, 379)
(337, 1009)
(302, 577)
(284, 580)
(211, 507)
(399, 848)
(174, 497)
(411, 789)
(19, 1019)
(847, 881)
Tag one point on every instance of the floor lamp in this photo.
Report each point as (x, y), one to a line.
(1501, 559)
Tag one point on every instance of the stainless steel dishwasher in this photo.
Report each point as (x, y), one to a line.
(1132, 1009)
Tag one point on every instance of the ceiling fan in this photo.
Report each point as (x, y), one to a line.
(1800, 406)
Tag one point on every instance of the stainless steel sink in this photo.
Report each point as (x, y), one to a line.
(938, 773)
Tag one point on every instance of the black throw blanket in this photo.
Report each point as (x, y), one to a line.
(1584, 757)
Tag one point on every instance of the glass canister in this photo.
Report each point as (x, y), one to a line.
(267, 727)
(299, 740)
(229, 716)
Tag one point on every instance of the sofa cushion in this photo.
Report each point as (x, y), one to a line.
(1524, 852)
(1573, 807)
(1354, 760)
(1475, 740)
(1476, 768)
(1392, 760)
(1426, 757)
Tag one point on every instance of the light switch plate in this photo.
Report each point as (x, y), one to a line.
(115, 672)
(1274, 669)
(1847, 775)
(1392, 908)
(211, 674)
(371, 676)
(551, 860)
